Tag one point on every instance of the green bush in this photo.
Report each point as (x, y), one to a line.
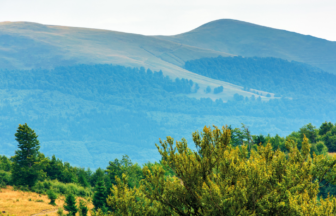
(61, 188)
(52, 196)
(5, 179)
(23, 188)
(46, 185)
(5, 163)
(60, 212)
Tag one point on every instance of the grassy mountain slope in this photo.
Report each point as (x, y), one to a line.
(246, 39)
(29, 45)
(59, 46)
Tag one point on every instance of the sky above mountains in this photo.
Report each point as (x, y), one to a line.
(169, 17)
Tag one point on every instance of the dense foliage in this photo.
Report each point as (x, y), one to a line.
(219, 179)
(327, 134)
(63, 178)
(188, 182)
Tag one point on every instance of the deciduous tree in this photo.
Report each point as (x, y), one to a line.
(219, 179)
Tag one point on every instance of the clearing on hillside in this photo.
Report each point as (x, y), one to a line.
(21, 203)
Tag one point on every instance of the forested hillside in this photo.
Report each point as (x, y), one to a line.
(87, 114)
(279, 76)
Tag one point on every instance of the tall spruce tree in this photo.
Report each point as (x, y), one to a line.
(27, 164)
(70, 205)
(99, 198)
(82, 179)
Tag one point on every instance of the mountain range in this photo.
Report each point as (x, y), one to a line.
(94, 95)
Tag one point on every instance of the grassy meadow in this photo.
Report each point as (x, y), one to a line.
(20, 203)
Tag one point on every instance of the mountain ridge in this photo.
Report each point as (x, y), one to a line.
(248, 39)
(224, 37)
(247, 23)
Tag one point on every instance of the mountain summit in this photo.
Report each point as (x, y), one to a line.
(247, 39)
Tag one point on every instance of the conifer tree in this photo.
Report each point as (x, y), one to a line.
(82, 179)
(70, 205)
(99, 198)
(83, 210)
(54, 168)
(27, 166)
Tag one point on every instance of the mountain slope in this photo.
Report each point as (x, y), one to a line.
(19, 40)
(29, 45)
(26, 45)
(246, 39)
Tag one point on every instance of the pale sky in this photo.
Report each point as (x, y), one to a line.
(169, 17)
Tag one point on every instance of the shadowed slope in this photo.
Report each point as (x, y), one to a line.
(246, 39)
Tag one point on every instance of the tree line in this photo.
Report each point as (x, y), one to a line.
(189, 182)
